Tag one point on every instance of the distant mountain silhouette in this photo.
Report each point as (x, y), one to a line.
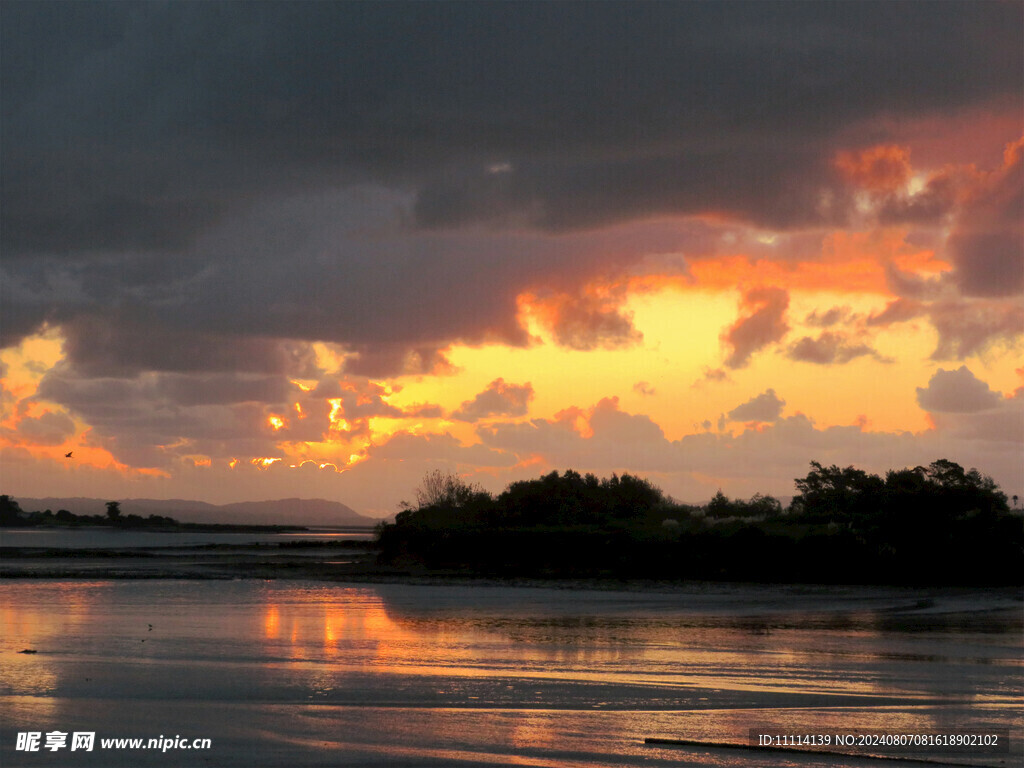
(279, 512)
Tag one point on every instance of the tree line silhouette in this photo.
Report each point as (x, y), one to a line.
(938, 524)
(12, 515)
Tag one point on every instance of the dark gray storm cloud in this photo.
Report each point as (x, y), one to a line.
(135, 125)
(218, 177)
(988, 244)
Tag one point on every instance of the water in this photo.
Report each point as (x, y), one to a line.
(114, 538)
(303, 674)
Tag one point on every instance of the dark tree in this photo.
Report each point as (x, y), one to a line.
(446, 489)
(720, 506)
(920, 525)
(831, 493)
(10, 511)
(113, 510)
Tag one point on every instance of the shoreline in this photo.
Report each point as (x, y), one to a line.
(358, 568)
(356, 561)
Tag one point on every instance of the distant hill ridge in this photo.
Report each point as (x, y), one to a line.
(277, 512)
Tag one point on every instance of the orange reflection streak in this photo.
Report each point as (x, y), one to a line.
(272, 621)
(42, 624)
(355, 618)
(330, 634)
(352, 616)
(532, 730)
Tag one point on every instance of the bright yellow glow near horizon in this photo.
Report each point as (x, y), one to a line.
(682, 330)
(663, 376)
(680, 339)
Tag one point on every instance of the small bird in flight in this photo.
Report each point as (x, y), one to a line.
(68, 454)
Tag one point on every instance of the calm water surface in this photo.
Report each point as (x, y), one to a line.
(113, 538)
(300, 674)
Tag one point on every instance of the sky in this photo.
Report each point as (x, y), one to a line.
(266, 250)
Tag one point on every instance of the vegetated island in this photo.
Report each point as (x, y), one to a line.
(935, 525)
(12, 515)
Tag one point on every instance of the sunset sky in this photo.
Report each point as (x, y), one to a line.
(271, 250)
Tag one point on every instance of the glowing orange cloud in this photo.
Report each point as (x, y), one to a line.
(22, 416)
(338, 424)
(264, 462)
(577, 419)
(923, 263)
(884, 168)
(850, 262)
(762, 324)
(591, 318)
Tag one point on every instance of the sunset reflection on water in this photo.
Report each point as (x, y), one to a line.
(495, 675)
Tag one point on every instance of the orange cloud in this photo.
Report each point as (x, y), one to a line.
(499, 399)
(924, 263)
(862, 274)
(849, 262)
(897, 311)
(40, 429)
(987, 244)
(880, 169)
(593, 318)
(576, 419)
(831, 348)
(763, 324)
(83, 454)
